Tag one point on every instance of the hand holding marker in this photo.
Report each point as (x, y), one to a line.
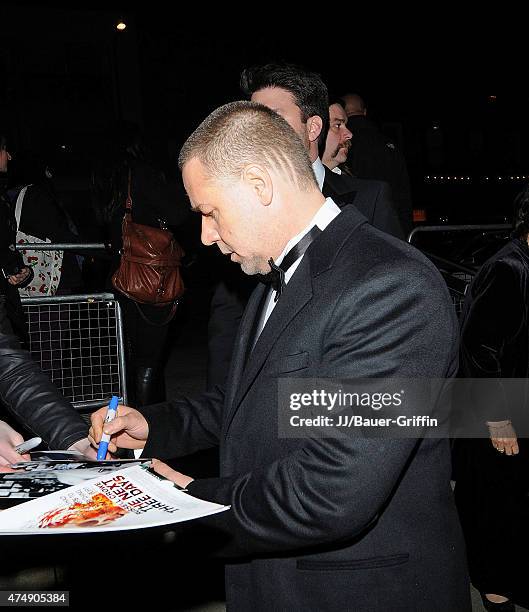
(105, 438)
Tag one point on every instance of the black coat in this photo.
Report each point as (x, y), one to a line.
(373, 156)
(30, 396)
(233, 287)
(11, 262)
(495, 333)
(492, 490)
(335, 523)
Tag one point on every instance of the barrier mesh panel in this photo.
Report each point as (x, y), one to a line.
(76, 344)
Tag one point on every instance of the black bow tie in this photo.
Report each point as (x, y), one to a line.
(276, 277)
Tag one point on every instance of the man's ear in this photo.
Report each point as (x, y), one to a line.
(314, 127)
(259, 180)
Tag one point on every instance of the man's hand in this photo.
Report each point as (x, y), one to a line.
(503, 437)
(164, 470)
(85, 448)
(17, 279)
(128, 430)
(9, 438)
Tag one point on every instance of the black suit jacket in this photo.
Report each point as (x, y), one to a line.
(371, 198)
(351, 523)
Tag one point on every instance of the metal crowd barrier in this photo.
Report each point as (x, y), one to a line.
(457, 276)
(456, 228)
(78, 340)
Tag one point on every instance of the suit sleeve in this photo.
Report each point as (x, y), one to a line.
(183, 426)
(332, 489)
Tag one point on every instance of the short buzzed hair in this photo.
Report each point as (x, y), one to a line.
(242, 133)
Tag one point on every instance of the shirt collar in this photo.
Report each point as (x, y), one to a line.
(326, 213)
(319, 171)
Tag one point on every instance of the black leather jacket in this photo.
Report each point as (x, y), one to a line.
(30, 395)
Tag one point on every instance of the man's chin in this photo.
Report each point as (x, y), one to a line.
(248, 269)
(251, 268)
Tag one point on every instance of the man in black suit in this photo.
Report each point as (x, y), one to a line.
(300, 97)
(331, 523)
(371, 197)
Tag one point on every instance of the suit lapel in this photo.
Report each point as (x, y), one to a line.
(296, 295)
(243, 339)
(328, 190)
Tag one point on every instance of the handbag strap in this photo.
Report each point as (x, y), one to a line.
(167, 320)
(18, 205)
(128, 202)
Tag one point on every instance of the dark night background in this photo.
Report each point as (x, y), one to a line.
(66, 74)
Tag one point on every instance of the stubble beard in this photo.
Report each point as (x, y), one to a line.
(254, 265)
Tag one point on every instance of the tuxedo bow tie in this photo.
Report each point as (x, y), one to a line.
(276, 277)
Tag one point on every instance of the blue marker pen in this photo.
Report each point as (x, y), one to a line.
(105, 438)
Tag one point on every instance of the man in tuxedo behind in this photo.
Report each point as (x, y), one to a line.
(332, 523)
(301, 98)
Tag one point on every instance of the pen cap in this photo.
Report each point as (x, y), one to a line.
(113, 402)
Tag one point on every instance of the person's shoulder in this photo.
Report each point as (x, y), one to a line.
(504, 273)
(370, 192)
(361, 184)
(509, 261)
(381, 251)
(373, 264)
(395, 249)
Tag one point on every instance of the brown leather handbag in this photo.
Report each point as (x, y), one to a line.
(149, 271)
